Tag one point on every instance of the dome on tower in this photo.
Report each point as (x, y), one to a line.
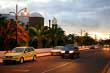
(36, 14)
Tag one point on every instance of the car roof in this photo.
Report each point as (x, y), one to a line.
(69, 45)
(59, 46)
(23, 47)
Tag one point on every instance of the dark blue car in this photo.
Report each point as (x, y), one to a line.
(70, 51)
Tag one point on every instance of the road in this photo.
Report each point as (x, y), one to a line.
(90, 61)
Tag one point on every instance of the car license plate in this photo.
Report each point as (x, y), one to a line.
(66, 54)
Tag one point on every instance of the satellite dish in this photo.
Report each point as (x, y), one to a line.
(54, 21)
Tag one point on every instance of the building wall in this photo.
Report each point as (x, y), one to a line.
(36, 21)
(39, 21)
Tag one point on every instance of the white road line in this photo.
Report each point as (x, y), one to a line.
(106, 68)
(46, 71)
(22, 70)
(56, 67)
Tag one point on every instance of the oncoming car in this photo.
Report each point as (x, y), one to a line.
(70, 51)
(56, 50)
(20, 54)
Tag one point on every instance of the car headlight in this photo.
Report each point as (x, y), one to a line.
(71, 51)
(62, 51)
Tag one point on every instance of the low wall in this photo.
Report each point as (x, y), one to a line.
(42, 51)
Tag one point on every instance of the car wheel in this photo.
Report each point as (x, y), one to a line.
(78, 55)
(21, 60)
(72, 57)
(34, 58)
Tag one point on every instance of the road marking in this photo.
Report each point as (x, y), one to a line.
(22, 70)
(106, 68)
(51, 69)
(56, 67)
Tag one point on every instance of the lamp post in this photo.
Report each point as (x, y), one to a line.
(23, 12)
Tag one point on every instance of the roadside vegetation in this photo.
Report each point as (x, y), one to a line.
(37, 37)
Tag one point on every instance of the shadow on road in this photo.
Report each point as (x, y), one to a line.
(14, 63)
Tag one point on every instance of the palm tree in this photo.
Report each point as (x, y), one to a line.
(56, 35)
(38, 34)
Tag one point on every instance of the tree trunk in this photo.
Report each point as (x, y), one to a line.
(39, 43)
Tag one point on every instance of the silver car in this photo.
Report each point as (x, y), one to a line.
(56, 50)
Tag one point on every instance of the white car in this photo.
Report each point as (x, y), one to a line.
(57, 50)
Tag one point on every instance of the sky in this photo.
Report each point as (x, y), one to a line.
(91, 16)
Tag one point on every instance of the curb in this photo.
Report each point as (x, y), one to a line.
(43, 54)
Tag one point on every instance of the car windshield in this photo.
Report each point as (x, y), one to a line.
(68, 47)
(58, 47)
(18, 50)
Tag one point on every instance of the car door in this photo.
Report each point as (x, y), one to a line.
(30, 50)
(27, 54)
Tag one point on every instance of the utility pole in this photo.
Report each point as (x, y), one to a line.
(16, 25)
(81, 36)
(49, 23)
(95, 36)
(81, 32)
(22, 11)
(109, 36)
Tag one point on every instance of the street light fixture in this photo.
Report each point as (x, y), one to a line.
(23, 12)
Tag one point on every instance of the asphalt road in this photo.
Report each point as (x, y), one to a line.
(90, 61)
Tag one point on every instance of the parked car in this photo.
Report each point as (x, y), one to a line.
(92, 47)
(70, 51)
(20, 54)
(56, 50)
(95, 47)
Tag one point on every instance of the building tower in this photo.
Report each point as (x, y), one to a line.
(49, 23)
(54, 23)
(36, 20)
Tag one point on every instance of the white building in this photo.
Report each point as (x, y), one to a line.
(22, 19)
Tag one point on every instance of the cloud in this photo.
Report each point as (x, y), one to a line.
(88, 14)
(41, 1)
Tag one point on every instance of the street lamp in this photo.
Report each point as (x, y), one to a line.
(23, 12)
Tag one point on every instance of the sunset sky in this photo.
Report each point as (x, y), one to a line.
(92, 16)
